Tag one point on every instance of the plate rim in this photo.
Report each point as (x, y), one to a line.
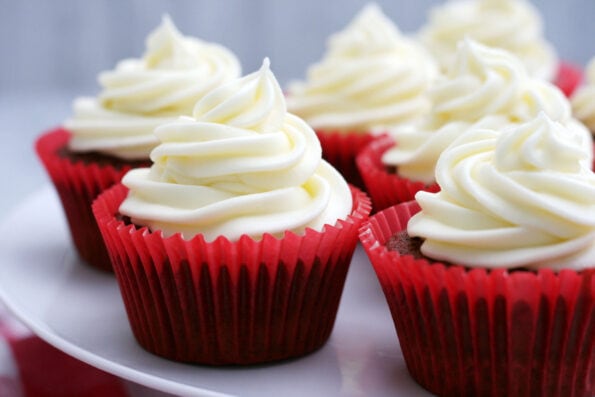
(44, 332)
(384, 352)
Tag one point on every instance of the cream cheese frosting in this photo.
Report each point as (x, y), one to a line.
(140, 94)
(371, 77)
(583, 100)
(486, 87)
(514, 25)
(240, 165)
(524, 197)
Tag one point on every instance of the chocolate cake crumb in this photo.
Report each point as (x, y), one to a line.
(124, 218)
(100, 159)
(391, 169)
(405, 244)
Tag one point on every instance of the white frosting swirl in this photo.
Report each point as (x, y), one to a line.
(141, 94)
(486, 87)
(514, 25)
(524, 197)
(583, 100)
(370, 78)
(417, 149)
(240, 165)
(483, 81)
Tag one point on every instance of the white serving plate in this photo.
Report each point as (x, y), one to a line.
(78, 310)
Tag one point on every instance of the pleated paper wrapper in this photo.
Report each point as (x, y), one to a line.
(225, 302)
(486, 333)
(78, 184)
(340, 148)
(386, 188)
(568, 78)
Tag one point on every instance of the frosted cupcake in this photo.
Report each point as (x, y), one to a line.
(487, 87)
(112, 133)
(371, 78)
(492, 280)
(242, 228)
(514, 25)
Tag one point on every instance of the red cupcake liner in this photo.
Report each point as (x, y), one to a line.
(77, 185)
(340, 149)
(568, 78)
(474, 332)
(225, 302)
(386, 188)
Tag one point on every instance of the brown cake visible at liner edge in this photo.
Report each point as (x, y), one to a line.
(407, 245)
(99, 158)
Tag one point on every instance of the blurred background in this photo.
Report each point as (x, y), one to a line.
(53, 50)
(63, 44)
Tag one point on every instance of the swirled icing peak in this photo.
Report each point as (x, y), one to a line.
(371, 77)
(256, 103)
(240, 165)
(173, 74)
(140, 94)
(369, 32)
(583, 100)
(485, 87)
(514, 25)
(524, 197)
(482, 81)
(167, 48)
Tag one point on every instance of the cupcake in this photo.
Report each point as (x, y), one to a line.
(486, 87)
(371, 78)
(113, 133)
(514, 25)
(233, 247)
(491, 281)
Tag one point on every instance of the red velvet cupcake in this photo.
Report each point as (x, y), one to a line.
(372, 78)
(234, 246)
(224, 302)
(478, 332)
(110, 134)
(491, 281)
